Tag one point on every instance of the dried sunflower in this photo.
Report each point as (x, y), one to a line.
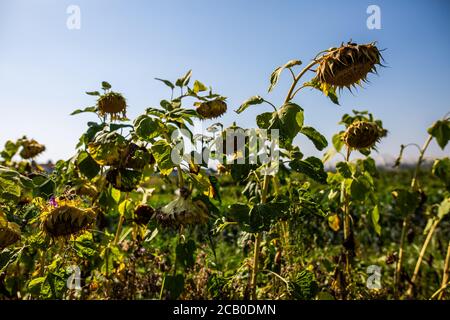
(112, 104)
(136, 157)
(363, 134)
(182, 211)
(9, 232)
(66, 218)
(125, 180)
(31, 148)
(212, 109)
(143, 213)
(348, 65)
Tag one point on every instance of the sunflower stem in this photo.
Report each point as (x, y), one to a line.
(297, 78)
(421, 255)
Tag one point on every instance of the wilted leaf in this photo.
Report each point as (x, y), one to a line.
(88, 109)
(249, 102)
(316, 137)
(277, 72)
(375, 220)
(184, 81)
(87, 166)
(441, 131)
(162, 152)
(166, 82)
(199, 87)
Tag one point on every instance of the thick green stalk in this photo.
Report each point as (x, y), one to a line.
(297, 78)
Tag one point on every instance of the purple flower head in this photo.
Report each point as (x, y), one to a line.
(53, 202)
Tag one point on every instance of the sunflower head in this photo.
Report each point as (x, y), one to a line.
(112, 104)
(31, 148)
(122, 179)
(64, 218)
(136, 157)
(143, 213)
(363, 134)
(347, 65)
(212, 109)
(9, 232)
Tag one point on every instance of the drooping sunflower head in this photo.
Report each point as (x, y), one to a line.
(63, 218)
(31, 148)
(363, 134)
(112, 104)
(122, 179)
(212, 109)
(348, 65)
(143, 213)
(9, 232)
(136, 157)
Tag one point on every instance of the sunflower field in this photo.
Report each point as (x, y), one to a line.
(135, 215)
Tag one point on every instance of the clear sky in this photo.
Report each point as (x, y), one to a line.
(45, 68)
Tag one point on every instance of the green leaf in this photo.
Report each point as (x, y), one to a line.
(303, 286)
(162, 152)
(375, 220)
(35, 285)
(44, 186)
(406, 201)
(148, 128)
(444, 208)
(337, 140)
(88, 109)
(13, 185)
(10, 150)
(359, 188)
(115, 194)
(185, 254)
(344, 169)
(124, 207)
(441, 131)
(239, 212)
(328, 91)
(184, 81)
(106, 85)
(316, 137)
(167, 83)
(312, 167)
(287, 121)
(199, 87)
(87, 165)
(249, 102)
(93, 93)
(7, 257)
(263, 120)
(274, 77)
(174, 285)
(441, 170)
(263, 215)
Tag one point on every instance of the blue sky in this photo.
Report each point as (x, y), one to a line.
(233, 46)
